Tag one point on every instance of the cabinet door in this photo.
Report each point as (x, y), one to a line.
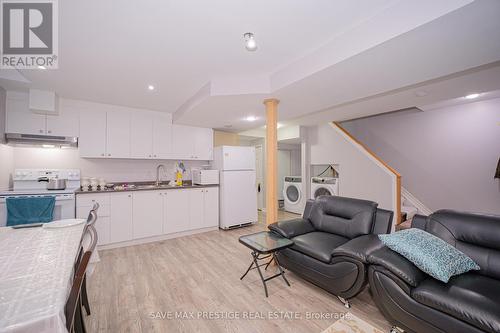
(211, 206)
(182, 142)
(20, 119)
(102, 226)
(147, 213)
(118, 134)
(162, 136)
(141, 136)
(196, 207)
(92, 138)
(176, 211)
(121, 228)
(203, 143)
(64, 124)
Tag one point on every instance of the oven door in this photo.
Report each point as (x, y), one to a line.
(64, 207)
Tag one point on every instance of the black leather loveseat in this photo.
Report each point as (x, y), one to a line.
(332, 241)
(470, 302)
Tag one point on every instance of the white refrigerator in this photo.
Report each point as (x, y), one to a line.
(238, 192)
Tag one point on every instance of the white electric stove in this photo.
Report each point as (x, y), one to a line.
(26, 183)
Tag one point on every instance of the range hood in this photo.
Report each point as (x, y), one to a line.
(40, 140)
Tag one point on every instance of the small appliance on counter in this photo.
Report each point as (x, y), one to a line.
(205, 177)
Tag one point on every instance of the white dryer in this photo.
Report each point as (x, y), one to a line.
(292, 194)
(324, 186)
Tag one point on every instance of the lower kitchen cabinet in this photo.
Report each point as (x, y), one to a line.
(121, 227)
(175, 211)
(147, 214)
(211, 207)
(196, 208)
(126, 216)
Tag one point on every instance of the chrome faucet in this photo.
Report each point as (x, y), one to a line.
(160, 166)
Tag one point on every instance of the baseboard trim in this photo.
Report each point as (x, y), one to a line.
(155, 238)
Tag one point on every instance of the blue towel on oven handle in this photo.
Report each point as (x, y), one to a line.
(26, 210)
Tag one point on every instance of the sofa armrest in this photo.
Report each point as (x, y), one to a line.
(398, 265)
(419, 221)
(359, 248)
(292, 228)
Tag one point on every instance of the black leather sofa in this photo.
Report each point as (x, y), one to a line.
(332, 241)
(415, 302)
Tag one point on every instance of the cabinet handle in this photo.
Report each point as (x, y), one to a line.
(102, 154)
(149, 155)
(41, 131)
(109, 154)
(49, 131)
(154, 155)
(130, 196)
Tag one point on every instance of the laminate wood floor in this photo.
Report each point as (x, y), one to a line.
(143, 288)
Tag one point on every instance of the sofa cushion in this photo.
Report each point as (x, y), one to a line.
(317, 244)
(429, 253)
(346, 217)
(470, 297)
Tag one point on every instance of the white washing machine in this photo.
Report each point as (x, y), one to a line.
(324, 186)
(292, 194)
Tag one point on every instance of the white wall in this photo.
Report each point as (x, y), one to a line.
(360, 175)
(447, 157)
(113, 170)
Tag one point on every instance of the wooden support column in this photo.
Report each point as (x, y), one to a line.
(271, 160)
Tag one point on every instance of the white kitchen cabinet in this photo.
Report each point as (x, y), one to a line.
(192, 143)
(64, 124)
(211, 207)
(196, 208)
(182, 142)
(147, 214)
(203, 143)
(121, 227)
(20, 119)
(118, 134)
(162, 136)
(175, 210)
(92, 139)
(141, 135)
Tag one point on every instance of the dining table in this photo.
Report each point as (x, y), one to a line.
(36, 274)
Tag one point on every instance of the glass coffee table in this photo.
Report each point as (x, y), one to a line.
(264, 245)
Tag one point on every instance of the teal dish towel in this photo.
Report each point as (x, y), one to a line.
(26, 210)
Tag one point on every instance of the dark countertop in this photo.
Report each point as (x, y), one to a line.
(165, 186)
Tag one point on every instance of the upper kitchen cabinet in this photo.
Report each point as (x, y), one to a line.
(92, 140)
(192, 143)
(151, 135)
(118, 134)
(20, 118)
(162, 135)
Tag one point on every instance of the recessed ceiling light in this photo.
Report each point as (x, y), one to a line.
(42, 67)
(151, 87)
(48, 146)
(472, 96)
(250, 43)
(251, 118)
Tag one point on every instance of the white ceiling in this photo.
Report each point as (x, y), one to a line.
(313, 55)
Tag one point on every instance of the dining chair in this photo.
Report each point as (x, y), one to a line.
(73, 307)
(91, 220)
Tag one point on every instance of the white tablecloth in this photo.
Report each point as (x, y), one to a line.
(36, 271)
